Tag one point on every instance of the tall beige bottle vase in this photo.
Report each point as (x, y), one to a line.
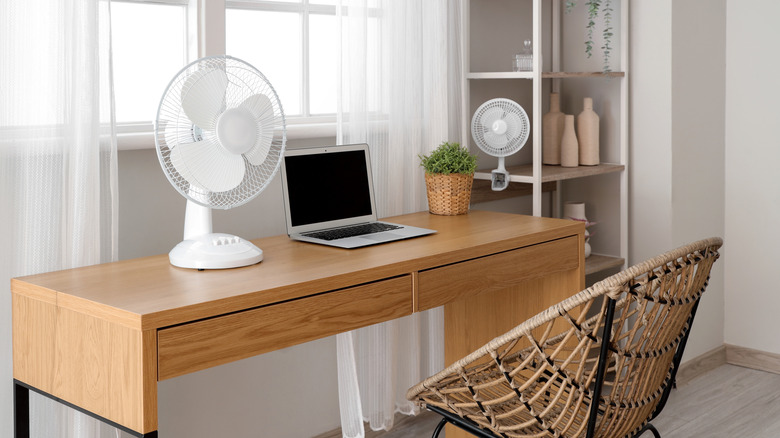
(570, 149)
(552, 130)
(588, 134)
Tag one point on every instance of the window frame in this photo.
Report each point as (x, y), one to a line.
(206, 36)
(140, 134)
(305, 125)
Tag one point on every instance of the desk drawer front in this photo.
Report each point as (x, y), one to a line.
(191, 347)
(440, 286)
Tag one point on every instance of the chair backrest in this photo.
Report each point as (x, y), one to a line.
(654, 310)
(541, 377)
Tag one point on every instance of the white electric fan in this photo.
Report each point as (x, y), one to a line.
(500, 128)
(220, 135)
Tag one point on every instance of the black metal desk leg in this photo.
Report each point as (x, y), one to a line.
(21, 411)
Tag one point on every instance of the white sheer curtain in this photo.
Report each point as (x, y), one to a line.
(399, 92)
(58, 193)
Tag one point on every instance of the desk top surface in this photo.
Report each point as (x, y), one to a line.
(149, 292)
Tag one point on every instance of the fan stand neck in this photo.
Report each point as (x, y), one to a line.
(501, 165)
(197, 220)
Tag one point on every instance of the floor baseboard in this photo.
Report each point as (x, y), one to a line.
(728, 354)
(755, 359)
(702, 364)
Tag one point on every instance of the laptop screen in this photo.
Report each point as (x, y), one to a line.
(325, 187)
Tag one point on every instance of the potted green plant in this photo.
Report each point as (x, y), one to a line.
(449, 173)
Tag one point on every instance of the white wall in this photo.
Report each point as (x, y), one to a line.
(698, 132)
(753, 159)
(252, 397)
(650, 152)
(677, 140)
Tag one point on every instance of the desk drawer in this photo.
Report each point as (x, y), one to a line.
(440, 286)
(191, 347)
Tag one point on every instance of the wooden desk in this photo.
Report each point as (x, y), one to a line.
(100, 337)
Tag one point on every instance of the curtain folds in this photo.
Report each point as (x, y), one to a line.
(58, 179)
(400, 92)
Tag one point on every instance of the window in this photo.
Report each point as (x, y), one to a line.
(294, 44)
(149, 42)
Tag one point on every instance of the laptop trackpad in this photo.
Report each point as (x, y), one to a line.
(382, 237)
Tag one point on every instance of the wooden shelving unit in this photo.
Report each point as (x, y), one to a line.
(599, 262)
(535, 179)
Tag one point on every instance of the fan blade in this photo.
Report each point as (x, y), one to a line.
(260, 105)
(203, 96)
(207, 165)
(259, 151)
(176, 133)
(489, 116)
(496, 141)
(513, 125)
(169, 133)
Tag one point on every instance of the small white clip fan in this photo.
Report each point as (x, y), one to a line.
(500, 128)
(220, 136)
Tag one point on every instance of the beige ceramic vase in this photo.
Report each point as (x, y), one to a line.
(552, 131)
(588, 134)
(569, 146)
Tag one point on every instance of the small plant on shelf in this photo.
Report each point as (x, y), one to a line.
(449, 174)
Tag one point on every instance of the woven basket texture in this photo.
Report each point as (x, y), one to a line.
(537, 380)
(450, 194)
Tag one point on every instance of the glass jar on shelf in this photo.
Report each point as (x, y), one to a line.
(524, 61)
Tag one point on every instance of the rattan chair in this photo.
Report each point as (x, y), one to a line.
(618, 342)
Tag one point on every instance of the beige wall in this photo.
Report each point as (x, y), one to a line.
(698, 142)
(650, 157)
(752, 163)
(677, 139)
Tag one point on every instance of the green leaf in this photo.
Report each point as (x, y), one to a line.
(449, 158)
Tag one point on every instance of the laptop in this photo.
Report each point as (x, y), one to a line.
(329, 198)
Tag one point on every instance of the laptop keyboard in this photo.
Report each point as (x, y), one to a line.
(355, 230)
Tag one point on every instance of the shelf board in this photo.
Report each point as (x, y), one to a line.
(554, 173)
(501, 75)
(545, 75)
(481, 191)
(582, 74)
(597, 263)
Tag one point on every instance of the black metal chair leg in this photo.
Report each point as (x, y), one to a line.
(439, 428)
(649, 427)
(21, 411)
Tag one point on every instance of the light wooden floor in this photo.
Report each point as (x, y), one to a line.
(727, 402)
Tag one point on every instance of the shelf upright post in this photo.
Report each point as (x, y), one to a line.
(537, 108)
(465, 65)
(624, 125)
(556, 87)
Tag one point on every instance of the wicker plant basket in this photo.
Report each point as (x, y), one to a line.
(450, 194)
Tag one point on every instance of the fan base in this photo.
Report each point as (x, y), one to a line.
(215, 251)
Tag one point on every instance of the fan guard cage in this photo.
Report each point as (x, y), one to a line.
(517, 127)
(173, 129)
